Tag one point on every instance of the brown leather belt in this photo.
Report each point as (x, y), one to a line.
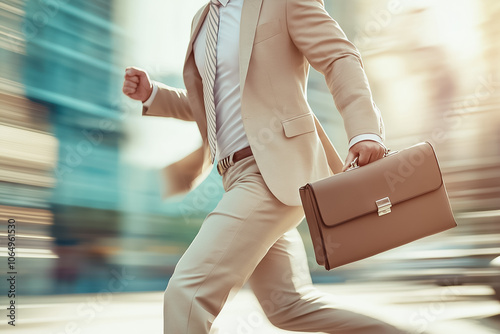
(231, 159)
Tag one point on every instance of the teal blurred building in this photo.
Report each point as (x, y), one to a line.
(66, 58)
(61, 69)
(86, 208)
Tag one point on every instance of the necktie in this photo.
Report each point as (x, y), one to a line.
(209, 75)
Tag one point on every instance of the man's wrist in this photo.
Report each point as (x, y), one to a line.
(151, 97)
(366, 136)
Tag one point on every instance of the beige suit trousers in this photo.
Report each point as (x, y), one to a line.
(251, 236)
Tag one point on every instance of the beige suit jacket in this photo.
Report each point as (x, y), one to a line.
(279, 39)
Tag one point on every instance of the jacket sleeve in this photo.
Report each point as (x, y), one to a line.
(321, 40)
(169, 102)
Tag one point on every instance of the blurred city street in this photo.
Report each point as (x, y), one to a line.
(82, 172)
(419, 308)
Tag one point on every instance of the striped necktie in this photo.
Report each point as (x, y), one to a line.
(209, 75)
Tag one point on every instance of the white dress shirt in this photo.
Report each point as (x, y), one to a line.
(231, 135)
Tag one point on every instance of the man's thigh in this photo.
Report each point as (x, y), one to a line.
(237, 234)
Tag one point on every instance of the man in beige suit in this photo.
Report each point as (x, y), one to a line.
(268, 143)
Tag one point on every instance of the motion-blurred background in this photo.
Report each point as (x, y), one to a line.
(81, 170)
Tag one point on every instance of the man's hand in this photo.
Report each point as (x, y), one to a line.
(137, 84)
(367, 150)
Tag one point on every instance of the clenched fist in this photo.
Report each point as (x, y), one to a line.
(137, 84)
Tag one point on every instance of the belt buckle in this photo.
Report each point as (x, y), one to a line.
(225, 163)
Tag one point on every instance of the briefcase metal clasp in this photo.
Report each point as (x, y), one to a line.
(384, 206)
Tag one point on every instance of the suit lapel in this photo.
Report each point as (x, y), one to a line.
(249, 18)
(192, 78)
(198, 22)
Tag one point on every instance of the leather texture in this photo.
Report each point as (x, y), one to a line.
(224, 164)
(279, 40)
(343, 216)
(242, 154)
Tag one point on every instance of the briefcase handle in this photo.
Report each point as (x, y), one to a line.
(354, 163)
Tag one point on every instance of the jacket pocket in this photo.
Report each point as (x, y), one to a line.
(267, 30)
(298, 125)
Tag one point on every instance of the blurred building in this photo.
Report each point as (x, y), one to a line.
(80, 210)
(81, 169)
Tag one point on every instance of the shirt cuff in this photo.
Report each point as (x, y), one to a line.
(366, 136)
(148, 102)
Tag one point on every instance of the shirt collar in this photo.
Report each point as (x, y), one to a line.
(224, 2)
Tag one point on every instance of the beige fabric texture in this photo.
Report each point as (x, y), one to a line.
(252, 236)
(279, 39)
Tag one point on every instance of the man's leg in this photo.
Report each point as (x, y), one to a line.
(283, 286)
(231, 242)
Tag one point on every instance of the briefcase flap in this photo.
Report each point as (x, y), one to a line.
(378, 186)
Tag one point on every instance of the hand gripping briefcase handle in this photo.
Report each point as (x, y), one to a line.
(367, 210)
(354, 163)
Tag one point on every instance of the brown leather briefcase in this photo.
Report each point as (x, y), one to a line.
(379, 206)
